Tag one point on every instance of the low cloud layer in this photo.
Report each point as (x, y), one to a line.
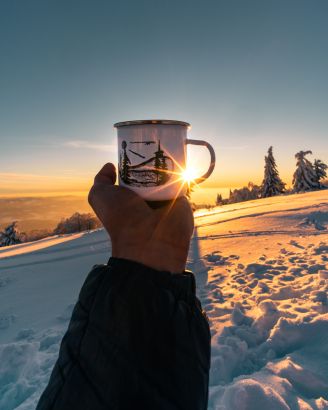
(91, 145)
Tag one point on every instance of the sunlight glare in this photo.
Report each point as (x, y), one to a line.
(189, 175)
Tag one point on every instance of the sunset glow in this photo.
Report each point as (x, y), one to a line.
(242, 93)
(189, 175)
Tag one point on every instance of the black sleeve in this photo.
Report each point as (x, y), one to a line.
(137, 339)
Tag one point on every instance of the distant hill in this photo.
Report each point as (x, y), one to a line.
(40, 212)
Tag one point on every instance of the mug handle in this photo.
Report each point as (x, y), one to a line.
(212, 153)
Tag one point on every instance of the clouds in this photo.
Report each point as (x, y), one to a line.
(12, 176)
(58, 166)
(12, 183)
(80, 144)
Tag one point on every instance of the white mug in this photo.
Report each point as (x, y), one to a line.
(152, 158)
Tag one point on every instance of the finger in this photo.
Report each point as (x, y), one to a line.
(106, 175)
(115, 206)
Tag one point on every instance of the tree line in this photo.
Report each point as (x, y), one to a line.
(76, 223)
(308, 176)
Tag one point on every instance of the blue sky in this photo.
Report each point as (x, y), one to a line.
(246, 74)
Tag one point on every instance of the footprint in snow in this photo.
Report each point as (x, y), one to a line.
(50, 340)
(287, 278)
(321, 249)
(66, 314)
(234, 257)
(216, 259)
(323, 274)
(25, 334)
(315, 268)
(296, 271)
(6, 321)
(296, 244)
(310, 221)
(4, 281)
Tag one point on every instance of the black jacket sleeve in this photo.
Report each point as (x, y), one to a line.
(137, 339)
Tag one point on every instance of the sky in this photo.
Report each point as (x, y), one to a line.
(245, 74)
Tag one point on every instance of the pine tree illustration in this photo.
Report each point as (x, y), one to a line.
(125, 162)
(158, 164)
(304, 178)
(164, 175)
(272, 184)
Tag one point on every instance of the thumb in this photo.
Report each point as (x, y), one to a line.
(107, 175)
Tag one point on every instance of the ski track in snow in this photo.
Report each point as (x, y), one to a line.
(261, 277)
(258, 214)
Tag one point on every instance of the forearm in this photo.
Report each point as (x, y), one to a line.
(157, 256)
(138, 327)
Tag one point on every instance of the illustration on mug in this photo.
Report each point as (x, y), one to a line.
(150, 172)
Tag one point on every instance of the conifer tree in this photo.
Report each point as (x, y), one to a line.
(219, 199)
(10, 236)
(272, 184)
(304, 178)
(320, 171)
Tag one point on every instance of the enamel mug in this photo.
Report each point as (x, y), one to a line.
(152, 158)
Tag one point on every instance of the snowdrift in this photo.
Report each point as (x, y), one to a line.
(262, 276)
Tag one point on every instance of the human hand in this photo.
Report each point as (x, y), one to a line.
(158, 238)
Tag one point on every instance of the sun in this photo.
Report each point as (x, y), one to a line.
(189, 175)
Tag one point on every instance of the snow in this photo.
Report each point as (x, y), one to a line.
(36, 246)
(262, 276)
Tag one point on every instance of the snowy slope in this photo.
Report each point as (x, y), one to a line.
(262, 275)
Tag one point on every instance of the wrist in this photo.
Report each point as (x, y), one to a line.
(162, 257)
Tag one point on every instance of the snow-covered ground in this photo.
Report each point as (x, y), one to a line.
(262, 274)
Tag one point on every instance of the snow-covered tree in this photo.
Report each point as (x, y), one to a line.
(320, 171)
(255, 190)
(77, 223)
(219, 199)
(304, 178)
(10, 236)
(243, 194)
(272, 184)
